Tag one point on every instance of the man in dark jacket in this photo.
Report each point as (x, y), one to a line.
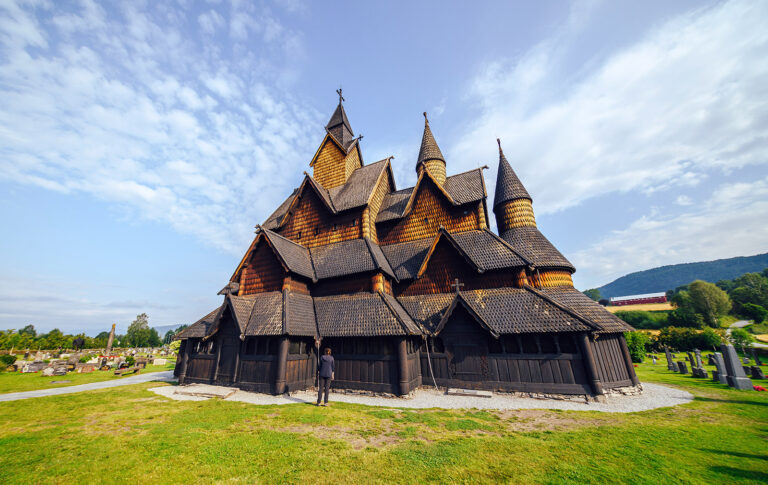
(325, 368)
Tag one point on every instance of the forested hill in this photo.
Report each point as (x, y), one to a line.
(669, 277)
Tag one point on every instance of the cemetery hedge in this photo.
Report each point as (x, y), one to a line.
(129, 434)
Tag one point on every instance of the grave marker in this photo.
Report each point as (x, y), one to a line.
(736, 376)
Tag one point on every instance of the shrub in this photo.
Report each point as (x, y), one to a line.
(636, 342)
(644, 320)
(130, 360)
(685, 339)
(741, 338)
(754, 312)
(84, 359)
(7, 360)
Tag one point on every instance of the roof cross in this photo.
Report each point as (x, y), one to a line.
(457, 285)
(341, 98)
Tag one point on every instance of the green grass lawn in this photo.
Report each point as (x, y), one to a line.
(129, 434)
(18, 382)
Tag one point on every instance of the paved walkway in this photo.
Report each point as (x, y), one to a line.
(125, 381)
(741, 324)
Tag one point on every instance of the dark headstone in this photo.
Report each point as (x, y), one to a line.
(736, 376)
(673, 367)
(715, 376)
(746, 360)
(746, 369)
(697, 354)
(670, 363)
(756, 357)
(757, 372)
(722, 374)
(700, 372)
(711, 359)
(683, 368)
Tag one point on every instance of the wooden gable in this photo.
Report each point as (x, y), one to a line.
(443, 264)
(385, 184)
(310, 223)
(429, 209)
(330, 164)
(262, 270)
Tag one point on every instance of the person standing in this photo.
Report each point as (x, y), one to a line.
(325, 369)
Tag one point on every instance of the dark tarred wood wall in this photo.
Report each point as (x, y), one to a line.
(610, 362)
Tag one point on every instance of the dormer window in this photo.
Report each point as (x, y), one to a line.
(317, 231)
(299, 235)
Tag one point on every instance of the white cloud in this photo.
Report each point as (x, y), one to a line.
(683, 200)
(148, 119)
(687, 98)
(730, 223)
(210, 22)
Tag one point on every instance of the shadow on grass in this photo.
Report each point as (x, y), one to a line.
(736, 453)
(741, 474)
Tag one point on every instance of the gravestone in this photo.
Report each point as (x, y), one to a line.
(700, 372)
(736, 376)
(160, 362)
(691, 360)
(654, 359)
(757, 372)
(722, 374)
(746, 360)
(670, 363)
(673, 367)
(699, 363)
(711, 359)
(756, 357)
(682, 366)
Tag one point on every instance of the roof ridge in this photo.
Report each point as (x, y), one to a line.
(508, 246)
(449, 311)
(442, 231)
(394, 313)
(376, 262)
(559, 305)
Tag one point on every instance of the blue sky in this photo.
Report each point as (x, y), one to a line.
(140, 142)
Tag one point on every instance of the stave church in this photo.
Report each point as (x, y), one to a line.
(408, 287)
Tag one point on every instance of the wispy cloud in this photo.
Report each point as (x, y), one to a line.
(687, 98)
(731, 222)
(125, 106)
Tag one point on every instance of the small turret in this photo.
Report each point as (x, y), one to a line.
(430, 156)
(512, 204)
(338, 126)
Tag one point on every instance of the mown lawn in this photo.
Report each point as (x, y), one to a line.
(18, 382)
(129, 434)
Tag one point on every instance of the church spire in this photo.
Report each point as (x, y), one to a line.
(338, 126)
(512, 204)
(430, 156)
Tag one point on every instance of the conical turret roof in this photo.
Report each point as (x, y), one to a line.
(339, 126)
(508, 185)
(429, 149)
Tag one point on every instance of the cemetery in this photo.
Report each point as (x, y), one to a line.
(142, 432)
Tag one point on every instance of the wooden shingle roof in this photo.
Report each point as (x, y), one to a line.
(349, 257)
(406, 258)
(508, 184)
(200, 328)
(429, 149)
(587, 308)
(531, 244)
(362, 315)
(338, 127)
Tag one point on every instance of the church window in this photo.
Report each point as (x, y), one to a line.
(299, 235)
(317, 231)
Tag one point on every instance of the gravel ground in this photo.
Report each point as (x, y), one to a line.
(653, 396)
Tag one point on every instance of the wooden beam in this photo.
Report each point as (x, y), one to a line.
(402, 358)
(628, 361)
(282, 362)
(589, 363)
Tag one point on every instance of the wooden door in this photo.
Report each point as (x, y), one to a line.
(469, 361)
(230, 346)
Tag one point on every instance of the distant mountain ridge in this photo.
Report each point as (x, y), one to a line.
(669, 277)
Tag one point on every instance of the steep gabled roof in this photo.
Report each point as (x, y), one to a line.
(362, 315)
(200, 328)
(512, 311)
(406, 258)
(459, 189)
(531, 244)
(587, 309)
(271, 313)
(508, 185)
(357, 191)
(349, 257)
(482, 250)
(293, 257)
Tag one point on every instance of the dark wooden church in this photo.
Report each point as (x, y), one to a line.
(405, 286)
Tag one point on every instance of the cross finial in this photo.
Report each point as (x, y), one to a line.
(426, 120)
(457, 285)
(341, 98)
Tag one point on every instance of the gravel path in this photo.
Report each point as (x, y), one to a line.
(653, 396)
(125, 381)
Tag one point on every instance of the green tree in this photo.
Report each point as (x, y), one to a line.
(740, 337)
(28, 330)
(154, 339)
(636, 343)
(754, 312)
(709, 301)
(593, 293)
(138, 333)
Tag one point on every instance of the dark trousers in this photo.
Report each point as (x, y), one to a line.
(324, 383)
